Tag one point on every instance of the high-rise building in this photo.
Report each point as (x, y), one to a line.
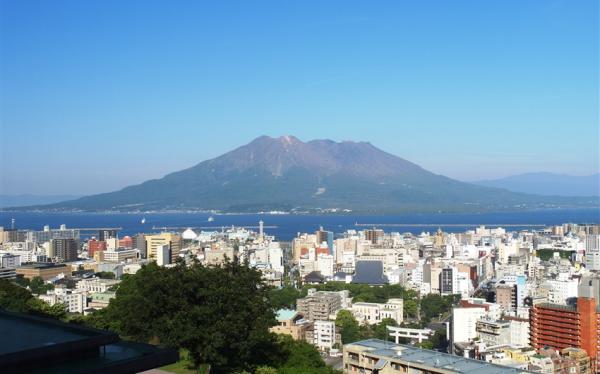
(563, 326)
(506, 296)
(106, 234)
(139, 243)
(325, 237)
(464, 323)
(320, 305)
(447, 281)
(126, 242)
(374, 235)
(95, 246)
(65, 249)
(47, 234)
(592, 252)
(154, 243)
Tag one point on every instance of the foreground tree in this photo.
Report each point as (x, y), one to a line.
(15, 298)
(220, 315)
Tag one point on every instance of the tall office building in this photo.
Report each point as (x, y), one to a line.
(374, 235)
(95, 246)
(325, 237)
(65, 249)
(139, 243)
(447, 281)
(106, 234)
(154, 243)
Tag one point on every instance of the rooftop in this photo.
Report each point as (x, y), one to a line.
(40, 345)
(40, 265)
(430, 358)
(285, 314)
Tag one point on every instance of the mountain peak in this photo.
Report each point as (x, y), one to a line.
(285, 173)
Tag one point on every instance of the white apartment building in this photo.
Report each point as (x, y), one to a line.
(325, 265)
(373, 313)
(10, 261)
(276, 257)
(561, 290)
(75, 301)
(519, 332)
(464, 323)
(324, 335)
(592, 252)
(493, 333)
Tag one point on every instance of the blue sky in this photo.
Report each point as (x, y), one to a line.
(96, 95)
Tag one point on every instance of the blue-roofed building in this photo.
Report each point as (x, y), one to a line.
(381, 357)
(290, 322)
(369, 272)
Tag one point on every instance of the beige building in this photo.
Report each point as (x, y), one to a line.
(155, 242)
(320, 305)
(218, 256)
(374, 313)
(506, 296)
(290, 322)
(46, 271)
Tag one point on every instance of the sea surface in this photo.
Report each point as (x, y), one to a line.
(286, 226)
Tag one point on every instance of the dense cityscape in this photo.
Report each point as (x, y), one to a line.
(299, 187)
(367, 300)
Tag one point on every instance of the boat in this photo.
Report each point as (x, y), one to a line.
(143, 220)
(210, 219)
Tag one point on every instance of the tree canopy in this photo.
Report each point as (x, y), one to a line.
(220, 314)
(15, 298)
(39, 287)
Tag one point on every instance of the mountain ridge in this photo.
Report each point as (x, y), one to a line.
(287, 174)
(548, 184)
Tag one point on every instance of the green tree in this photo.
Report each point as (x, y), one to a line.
(15, 298)
(22, 281)
(436, 341)
(265, 370)
(56, 311)
(105, 275)
(39, 287)
(300, 358)
(410, 307)
(220, 314)
(284, 297)
(348, 326)
(380, 330)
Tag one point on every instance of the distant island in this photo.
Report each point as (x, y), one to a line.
(548, 184)
(321, 176)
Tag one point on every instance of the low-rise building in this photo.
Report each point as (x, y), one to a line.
(290, 322)
(383, 357)
(93, 285)
(46, 271)
(374, 313)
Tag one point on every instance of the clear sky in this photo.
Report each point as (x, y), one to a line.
(96, 95)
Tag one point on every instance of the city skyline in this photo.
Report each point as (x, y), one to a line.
(95, 98)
